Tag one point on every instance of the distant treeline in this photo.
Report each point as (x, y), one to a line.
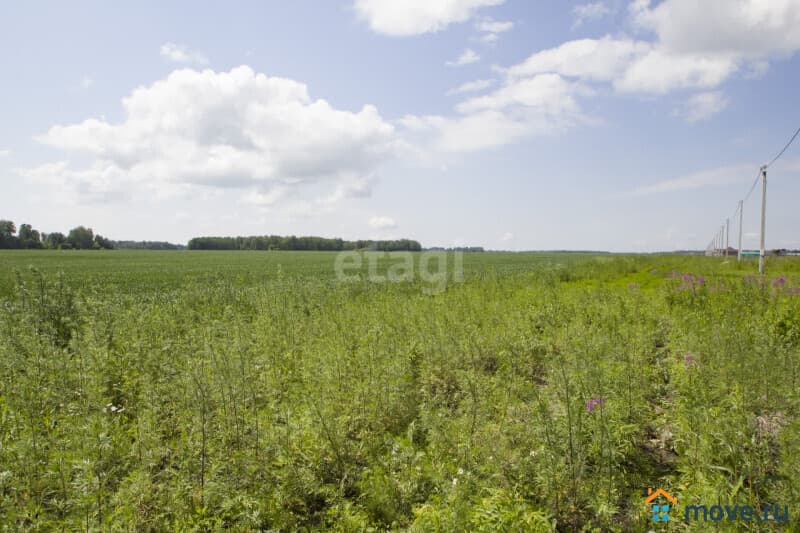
(276, 242)
(457, 249)
(147, 245)
(80, 238)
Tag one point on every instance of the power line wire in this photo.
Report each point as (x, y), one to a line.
(784, 148)
(735, 212)
(752, 187)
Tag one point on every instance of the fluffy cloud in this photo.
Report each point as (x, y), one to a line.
(181, 54)
(490, 29)
(549, 93)
(590, 11)
(542, 95)
(660, 71)
(632, 66)
(467, 56)
(382, 222)
(5, 153)
(544, 104)
(592, 59)
(695, 46)
(698, 45)
(234, 129)
(703, 106)
(414, 17)
(744, 28)
(492, 26)
(471, 86)
(466, 133)
(98, 183)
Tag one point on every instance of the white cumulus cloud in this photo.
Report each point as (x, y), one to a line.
(702, 106)
(660, 71)
(590, 11)
(745, 28)
(492, 26)
(592, 59)
(544, 104)
(542, 95)
(491, 29)
(696, 45)
(702, 44)
(237, 129)
(467, 57)
(549, 93)
(471, 86)
(181, 54)
(414, 17)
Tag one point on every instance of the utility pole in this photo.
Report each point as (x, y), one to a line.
(721, 239)
(741, 208)
(727, 235)
(762, 254)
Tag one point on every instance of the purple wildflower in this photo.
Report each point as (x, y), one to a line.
(594, 402)
(687, 277)
(778, 282)
(688, 360)
(700, 280)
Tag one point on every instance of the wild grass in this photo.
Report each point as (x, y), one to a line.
(253, 391)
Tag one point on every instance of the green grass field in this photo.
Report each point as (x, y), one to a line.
(258, 391)
(145, 271)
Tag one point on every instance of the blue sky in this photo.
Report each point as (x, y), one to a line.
(516, 124)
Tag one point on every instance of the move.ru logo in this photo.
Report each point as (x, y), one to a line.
(659, 503)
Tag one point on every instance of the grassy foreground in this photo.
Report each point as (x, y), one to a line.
(254, 391)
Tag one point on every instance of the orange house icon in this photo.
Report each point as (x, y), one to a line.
(653, 494)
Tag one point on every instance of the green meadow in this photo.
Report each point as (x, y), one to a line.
(260, 391)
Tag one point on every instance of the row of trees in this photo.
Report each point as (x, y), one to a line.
(147, 245)
(81, 238)
(276, 242)
(458, 249)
